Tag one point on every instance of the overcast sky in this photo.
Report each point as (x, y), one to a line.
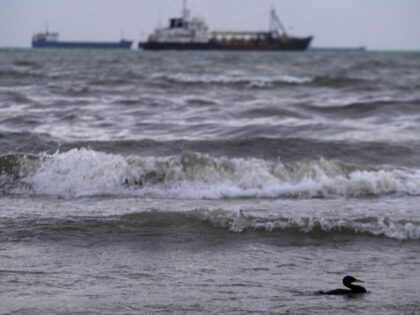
(376, 24)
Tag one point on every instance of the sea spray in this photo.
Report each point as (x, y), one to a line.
(190, 175)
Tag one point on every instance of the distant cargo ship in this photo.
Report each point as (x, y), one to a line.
(50, 40)
(187, 33)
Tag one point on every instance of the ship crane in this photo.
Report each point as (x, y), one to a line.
(275, 24)
(192, 33)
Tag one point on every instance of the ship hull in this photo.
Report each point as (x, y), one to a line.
(82, 45)
(291, 44)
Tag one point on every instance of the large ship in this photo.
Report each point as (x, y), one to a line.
(186, 33)
(50, 40)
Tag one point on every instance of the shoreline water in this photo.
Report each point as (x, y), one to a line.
(237, 183)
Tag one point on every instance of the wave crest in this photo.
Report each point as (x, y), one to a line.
(190, 175)
(254, 81)
(374, 226)
(205, 221)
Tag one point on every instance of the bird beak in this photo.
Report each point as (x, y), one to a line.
(358, 281)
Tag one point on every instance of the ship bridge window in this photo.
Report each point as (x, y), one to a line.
(176, 23)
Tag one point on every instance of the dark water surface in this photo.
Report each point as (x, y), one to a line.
(208, 183)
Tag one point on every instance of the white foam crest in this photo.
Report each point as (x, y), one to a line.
(83, 172)
(257, 81)
(79, 173)
(383, 226)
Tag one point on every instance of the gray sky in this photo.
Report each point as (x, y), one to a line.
(376, 24)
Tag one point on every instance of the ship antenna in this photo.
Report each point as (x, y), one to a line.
(185, 11)
(47, 29)
(275, 23)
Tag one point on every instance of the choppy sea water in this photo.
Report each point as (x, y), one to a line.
(208, 182)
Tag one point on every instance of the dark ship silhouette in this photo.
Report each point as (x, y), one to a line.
(186, 33)
(50, 40)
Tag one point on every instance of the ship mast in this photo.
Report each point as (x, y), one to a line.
(185, 12)
(275, 23)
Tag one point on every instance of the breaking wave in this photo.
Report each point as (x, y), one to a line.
(374, 226)
(361, 109)
(190, 175)
(262, 80)
(203, 221)
(254, 81)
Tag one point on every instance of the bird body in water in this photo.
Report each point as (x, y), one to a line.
(353, 289)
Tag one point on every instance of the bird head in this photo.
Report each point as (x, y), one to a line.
(350, 279)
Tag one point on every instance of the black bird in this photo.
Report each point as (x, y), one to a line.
(347, 281)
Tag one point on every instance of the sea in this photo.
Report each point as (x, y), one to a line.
(137, 182)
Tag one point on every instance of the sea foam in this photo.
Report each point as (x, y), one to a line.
(254, 81)
(316, 226)
(85, 172)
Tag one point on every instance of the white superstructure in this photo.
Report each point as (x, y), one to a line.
(47, 36)
(182, 30)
